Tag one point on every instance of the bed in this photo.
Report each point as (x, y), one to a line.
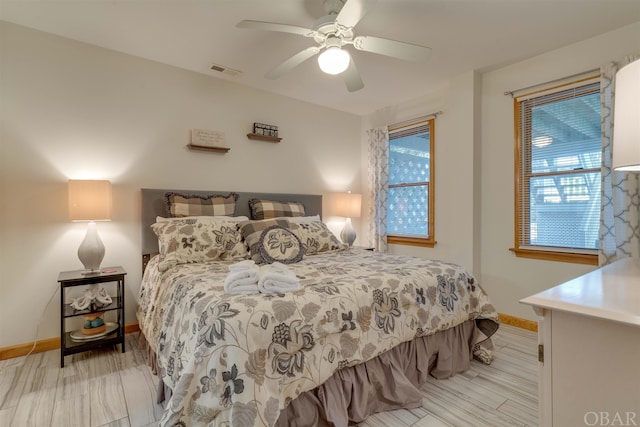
(360, 336)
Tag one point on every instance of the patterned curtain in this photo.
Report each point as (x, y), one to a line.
(378, 187)
(620, 210)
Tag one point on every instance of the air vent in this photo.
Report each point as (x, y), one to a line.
(225, 70)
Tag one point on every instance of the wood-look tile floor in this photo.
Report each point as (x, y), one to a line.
(109, 388)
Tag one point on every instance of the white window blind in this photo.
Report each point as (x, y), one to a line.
(410, 201)
(559, 161)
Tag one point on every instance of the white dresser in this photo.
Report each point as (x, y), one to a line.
(589, 333)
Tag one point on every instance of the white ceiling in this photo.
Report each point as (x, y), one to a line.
(465, 35)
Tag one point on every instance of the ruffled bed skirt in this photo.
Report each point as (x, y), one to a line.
(388, 382)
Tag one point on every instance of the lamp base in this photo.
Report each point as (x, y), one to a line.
(91, 250)
(348, 234)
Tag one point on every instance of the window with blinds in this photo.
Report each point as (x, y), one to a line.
(558, 161)
(411, 187)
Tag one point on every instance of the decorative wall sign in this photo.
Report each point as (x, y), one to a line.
(208, 140)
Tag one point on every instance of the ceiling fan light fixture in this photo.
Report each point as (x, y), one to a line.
(334, 60)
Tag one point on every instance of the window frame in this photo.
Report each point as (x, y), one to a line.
(412, 240)
(561, 254)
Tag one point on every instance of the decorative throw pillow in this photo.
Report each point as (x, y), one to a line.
(267, 209)
(219, 217)
(279, 244)
(251, 232)
(316, 237)
(183, 205)
(299, 219)
(198, 240)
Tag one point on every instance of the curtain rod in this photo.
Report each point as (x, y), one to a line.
(417, 119)
(511, 92)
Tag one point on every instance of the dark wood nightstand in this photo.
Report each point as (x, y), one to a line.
(74, 342)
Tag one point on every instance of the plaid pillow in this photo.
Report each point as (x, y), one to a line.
(266, 209)
(181, 205)
(251, 232)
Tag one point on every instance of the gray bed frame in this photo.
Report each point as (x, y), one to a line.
(153, 205)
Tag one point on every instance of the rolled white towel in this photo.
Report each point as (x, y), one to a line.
(277, 278)
(242, 280)
(243, 265)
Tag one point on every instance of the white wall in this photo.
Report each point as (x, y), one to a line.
(75, 111)
(474, 168)
(506, 277)
(456, 137)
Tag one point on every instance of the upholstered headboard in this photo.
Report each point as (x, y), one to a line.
(153, 205)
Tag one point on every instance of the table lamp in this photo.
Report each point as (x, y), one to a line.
(348, 205)
(626, 119)
(90, 200)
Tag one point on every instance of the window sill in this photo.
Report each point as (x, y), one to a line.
(411, 241)
(575, 258)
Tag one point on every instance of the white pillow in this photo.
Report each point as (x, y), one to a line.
(301, 219)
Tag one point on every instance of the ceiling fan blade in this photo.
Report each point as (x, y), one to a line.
(401, 50)
(283, 28)
(352, 78)
(292, 62)
(353, 11)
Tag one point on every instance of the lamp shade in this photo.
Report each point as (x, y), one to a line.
(626, 129)
(334, 60)
(348, 205)
(89, 200)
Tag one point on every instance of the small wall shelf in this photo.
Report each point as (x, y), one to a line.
(263, 137)
(203, 148)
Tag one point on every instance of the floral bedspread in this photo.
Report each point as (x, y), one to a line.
(237, 360)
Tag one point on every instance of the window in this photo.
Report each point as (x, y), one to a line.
(558, 161)
(411, 184)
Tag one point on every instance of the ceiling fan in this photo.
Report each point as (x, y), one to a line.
(334, 31)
